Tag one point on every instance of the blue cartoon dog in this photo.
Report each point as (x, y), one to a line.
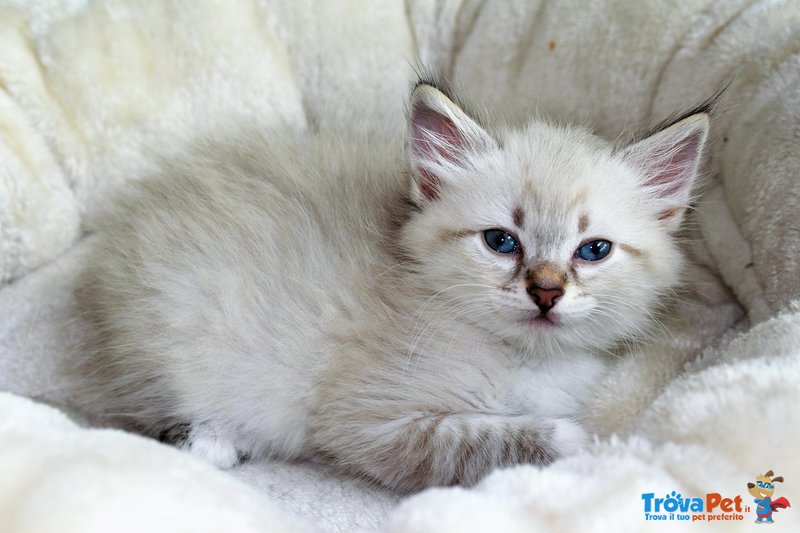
(763, 489)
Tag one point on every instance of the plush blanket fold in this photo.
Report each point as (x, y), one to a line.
(90, 91)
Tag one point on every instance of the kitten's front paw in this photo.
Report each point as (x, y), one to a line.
(211, 446)
(568, 437)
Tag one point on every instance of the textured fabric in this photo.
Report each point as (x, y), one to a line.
(90, 90)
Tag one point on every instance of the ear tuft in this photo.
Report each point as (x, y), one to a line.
(429, 186)
(442, 138)
(669, 162)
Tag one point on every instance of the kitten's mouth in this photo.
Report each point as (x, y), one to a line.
(543, 321)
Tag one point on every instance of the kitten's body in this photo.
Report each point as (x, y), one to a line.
(315, 299)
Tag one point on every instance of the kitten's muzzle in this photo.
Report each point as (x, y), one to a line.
(545, 284)
(545, 297)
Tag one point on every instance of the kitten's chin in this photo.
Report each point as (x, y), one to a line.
(553, 327)
(554, 332)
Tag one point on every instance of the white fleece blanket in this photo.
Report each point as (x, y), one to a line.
(89, 90)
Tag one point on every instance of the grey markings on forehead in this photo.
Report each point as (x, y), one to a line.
(579, 198)
(518, 216)
(583, 223)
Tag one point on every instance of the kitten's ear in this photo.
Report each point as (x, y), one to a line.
(442, 138)
(669, 161)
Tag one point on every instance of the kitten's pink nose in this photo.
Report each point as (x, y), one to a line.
(545, 298)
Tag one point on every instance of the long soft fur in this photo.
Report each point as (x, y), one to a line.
(335, 297)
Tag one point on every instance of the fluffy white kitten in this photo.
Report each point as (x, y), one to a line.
(417, 316)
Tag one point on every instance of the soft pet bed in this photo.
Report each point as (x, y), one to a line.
(89, 91)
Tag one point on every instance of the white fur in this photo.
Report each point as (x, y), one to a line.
(283, 297)
(216, 449)
(568, 436)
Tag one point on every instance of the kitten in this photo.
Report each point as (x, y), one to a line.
(417, 316)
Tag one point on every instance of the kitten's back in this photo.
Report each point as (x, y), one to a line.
(227, 263)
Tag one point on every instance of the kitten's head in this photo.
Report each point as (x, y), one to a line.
(547, 235)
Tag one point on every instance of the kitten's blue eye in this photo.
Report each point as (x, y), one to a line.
(501, 241)
(593, 251)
